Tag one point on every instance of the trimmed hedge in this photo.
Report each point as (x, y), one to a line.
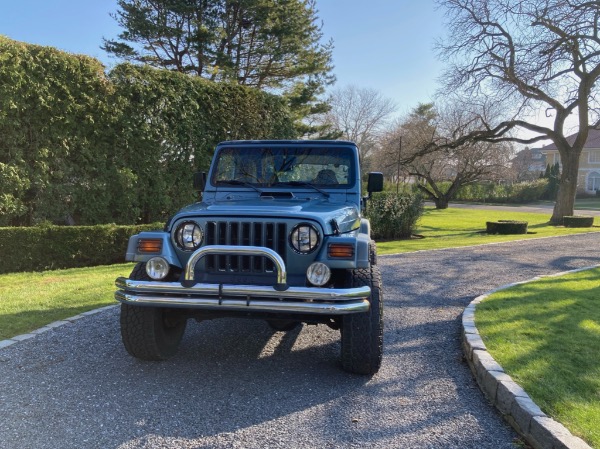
(578, 221)
(522, 192)
(79, 146)
(50, 247)
(506, 227)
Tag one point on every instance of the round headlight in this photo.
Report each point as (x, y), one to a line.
(304, 238)
(318, 274)
(188, 236)
(157, 268)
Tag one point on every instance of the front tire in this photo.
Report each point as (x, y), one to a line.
(150, 333)
(362, 333)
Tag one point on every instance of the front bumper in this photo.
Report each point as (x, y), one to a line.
(279, 298)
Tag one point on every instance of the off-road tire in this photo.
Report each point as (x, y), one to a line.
(373, 253)
(362, 333)
(150, 333)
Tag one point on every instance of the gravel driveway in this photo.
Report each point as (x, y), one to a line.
(237, 384)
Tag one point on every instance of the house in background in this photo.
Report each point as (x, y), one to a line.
(588, 179)
(528, 164)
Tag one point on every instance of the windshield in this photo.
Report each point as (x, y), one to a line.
(267, 167)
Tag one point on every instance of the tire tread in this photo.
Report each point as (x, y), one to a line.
(362, 334)
(140, 329)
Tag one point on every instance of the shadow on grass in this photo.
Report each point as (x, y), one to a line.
(12, 324)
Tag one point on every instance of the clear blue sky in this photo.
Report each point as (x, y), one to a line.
(382, 44)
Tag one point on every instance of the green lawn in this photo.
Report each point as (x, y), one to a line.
(592, 203)
(588, 203)
(546, 336)
(454, 227)
(32, 300)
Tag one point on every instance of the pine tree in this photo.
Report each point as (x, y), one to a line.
(272, 45)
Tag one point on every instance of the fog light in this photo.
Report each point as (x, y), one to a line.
(157, 268)
(318, 274)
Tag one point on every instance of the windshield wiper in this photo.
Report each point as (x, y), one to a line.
(303, 184)
(235, 182)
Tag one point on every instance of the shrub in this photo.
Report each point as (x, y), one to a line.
(584, 194)
(481, 192)
(578, 221)
(51, 247)
(521, 192)
(506, 227)
(525, 192)
(394, 215)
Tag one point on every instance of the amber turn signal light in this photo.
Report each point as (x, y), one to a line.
(341, 250)
(150, 245)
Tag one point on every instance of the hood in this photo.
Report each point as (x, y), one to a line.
(322, 210)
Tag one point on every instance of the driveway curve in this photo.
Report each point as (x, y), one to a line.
(237, 384)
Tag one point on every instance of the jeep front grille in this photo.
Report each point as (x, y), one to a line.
(269, 235)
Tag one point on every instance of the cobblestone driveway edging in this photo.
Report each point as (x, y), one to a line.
(541, 431)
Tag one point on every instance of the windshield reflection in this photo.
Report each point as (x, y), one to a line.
(268, 167)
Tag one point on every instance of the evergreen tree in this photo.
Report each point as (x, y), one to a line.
(552, 174)
(272, 45)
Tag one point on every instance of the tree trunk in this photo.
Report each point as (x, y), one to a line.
(440, 199)
(567, 188)
(441, 203)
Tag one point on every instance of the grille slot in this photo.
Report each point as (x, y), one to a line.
(269, 235)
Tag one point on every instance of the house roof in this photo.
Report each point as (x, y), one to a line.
(531, 153)
(593, 140)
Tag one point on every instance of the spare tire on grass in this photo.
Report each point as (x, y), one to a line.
(506, 227)
(578, 221)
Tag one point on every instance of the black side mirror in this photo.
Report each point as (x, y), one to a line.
(375, 182)
(199, 181)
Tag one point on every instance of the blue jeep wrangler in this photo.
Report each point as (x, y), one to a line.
(279, 236)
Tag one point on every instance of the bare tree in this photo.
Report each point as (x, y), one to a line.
(407, 139)
(434, 152)
(359, 115)
(529, 55)
(388, 158)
